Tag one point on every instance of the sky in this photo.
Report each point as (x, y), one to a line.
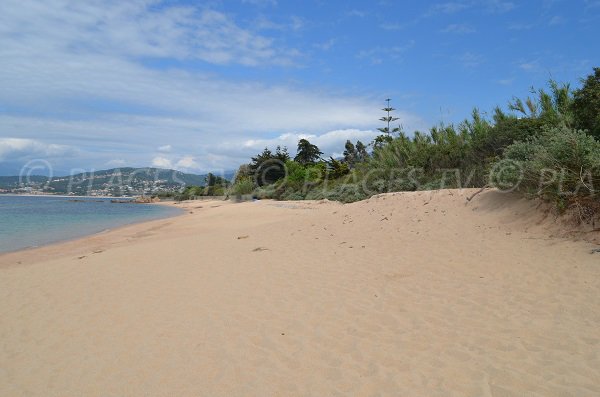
(203, 85)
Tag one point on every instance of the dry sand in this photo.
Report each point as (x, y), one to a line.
(408, 294)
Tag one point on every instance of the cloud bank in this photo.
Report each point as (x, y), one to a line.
(133, 83)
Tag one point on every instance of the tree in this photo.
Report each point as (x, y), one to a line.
(336, 168)
(387, 133)
(388, 119)
(244, 172)
(570, 153)
(214, 185)
(350, 153)
(586, 104)
(214, 180)
(361, 152)
(268, 167)
(553, 108)
(307, 152)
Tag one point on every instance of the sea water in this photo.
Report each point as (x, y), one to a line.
(31, 221)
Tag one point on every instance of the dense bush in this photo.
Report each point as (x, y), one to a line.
(189, 192)
(557, 165)
(302, 177)
(586, 104)
(268, 167)
(347, 193)
(242, 186)
(533, 148)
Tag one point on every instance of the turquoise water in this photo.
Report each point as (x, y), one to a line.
(33, 221)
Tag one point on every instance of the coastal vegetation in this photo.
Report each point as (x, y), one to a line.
(546, 145)
(213, 186)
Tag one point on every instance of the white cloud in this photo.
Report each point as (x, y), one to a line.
(499, 6)
(218, 152)
(450, 7)
(18, 148)
(187, 162)
(378, 54)
(505, 81)
(325, 45)
(67, 57)
(520, 26)
(490, 6)
(471, 60)
(264, 23)
(297, 23)
(529, 65)
(589, 4)
(557, 20)
(162, 162)
(392, 26)
(458, 28)
(261, 3)
(136, 29)
(330, 143)
(357, 13)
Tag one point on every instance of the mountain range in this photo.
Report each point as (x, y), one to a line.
(112, 182)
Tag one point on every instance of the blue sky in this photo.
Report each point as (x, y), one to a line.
(203, 85)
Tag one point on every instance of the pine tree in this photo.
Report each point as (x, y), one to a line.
(350, 153)
(337, 169)
(307, 152)
(586, 105)
(387, 132)
(361, 152)
(268, 167)
(388, 119)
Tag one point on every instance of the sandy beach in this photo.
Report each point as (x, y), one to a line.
(404, 294)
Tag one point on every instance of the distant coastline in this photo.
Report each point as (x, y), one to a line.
(66, 196)
(37, 220)
(114, 182)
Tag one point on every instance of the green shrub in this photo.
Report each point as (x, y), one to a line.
(586, 104)
(300, 177)
(559, 163)
(292, 195)
(337, 169)
(316, 194)
(243, 186)
(531, 148)
(346, 193)
(273, 192)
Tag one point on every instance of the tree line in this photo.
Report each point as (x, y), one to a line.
(546, 145)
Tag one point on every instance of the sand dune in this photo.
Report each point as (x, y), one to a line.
(406, 294)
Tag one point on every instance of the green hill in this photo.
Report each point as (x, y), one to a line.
(114, 182)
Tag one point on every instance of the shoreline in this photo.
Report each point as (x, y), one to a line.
(53, 250)
(118, 235)
(65, 196)
(414, 293)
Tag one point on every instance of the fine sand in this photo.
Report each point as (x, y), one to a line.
(407, 294)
